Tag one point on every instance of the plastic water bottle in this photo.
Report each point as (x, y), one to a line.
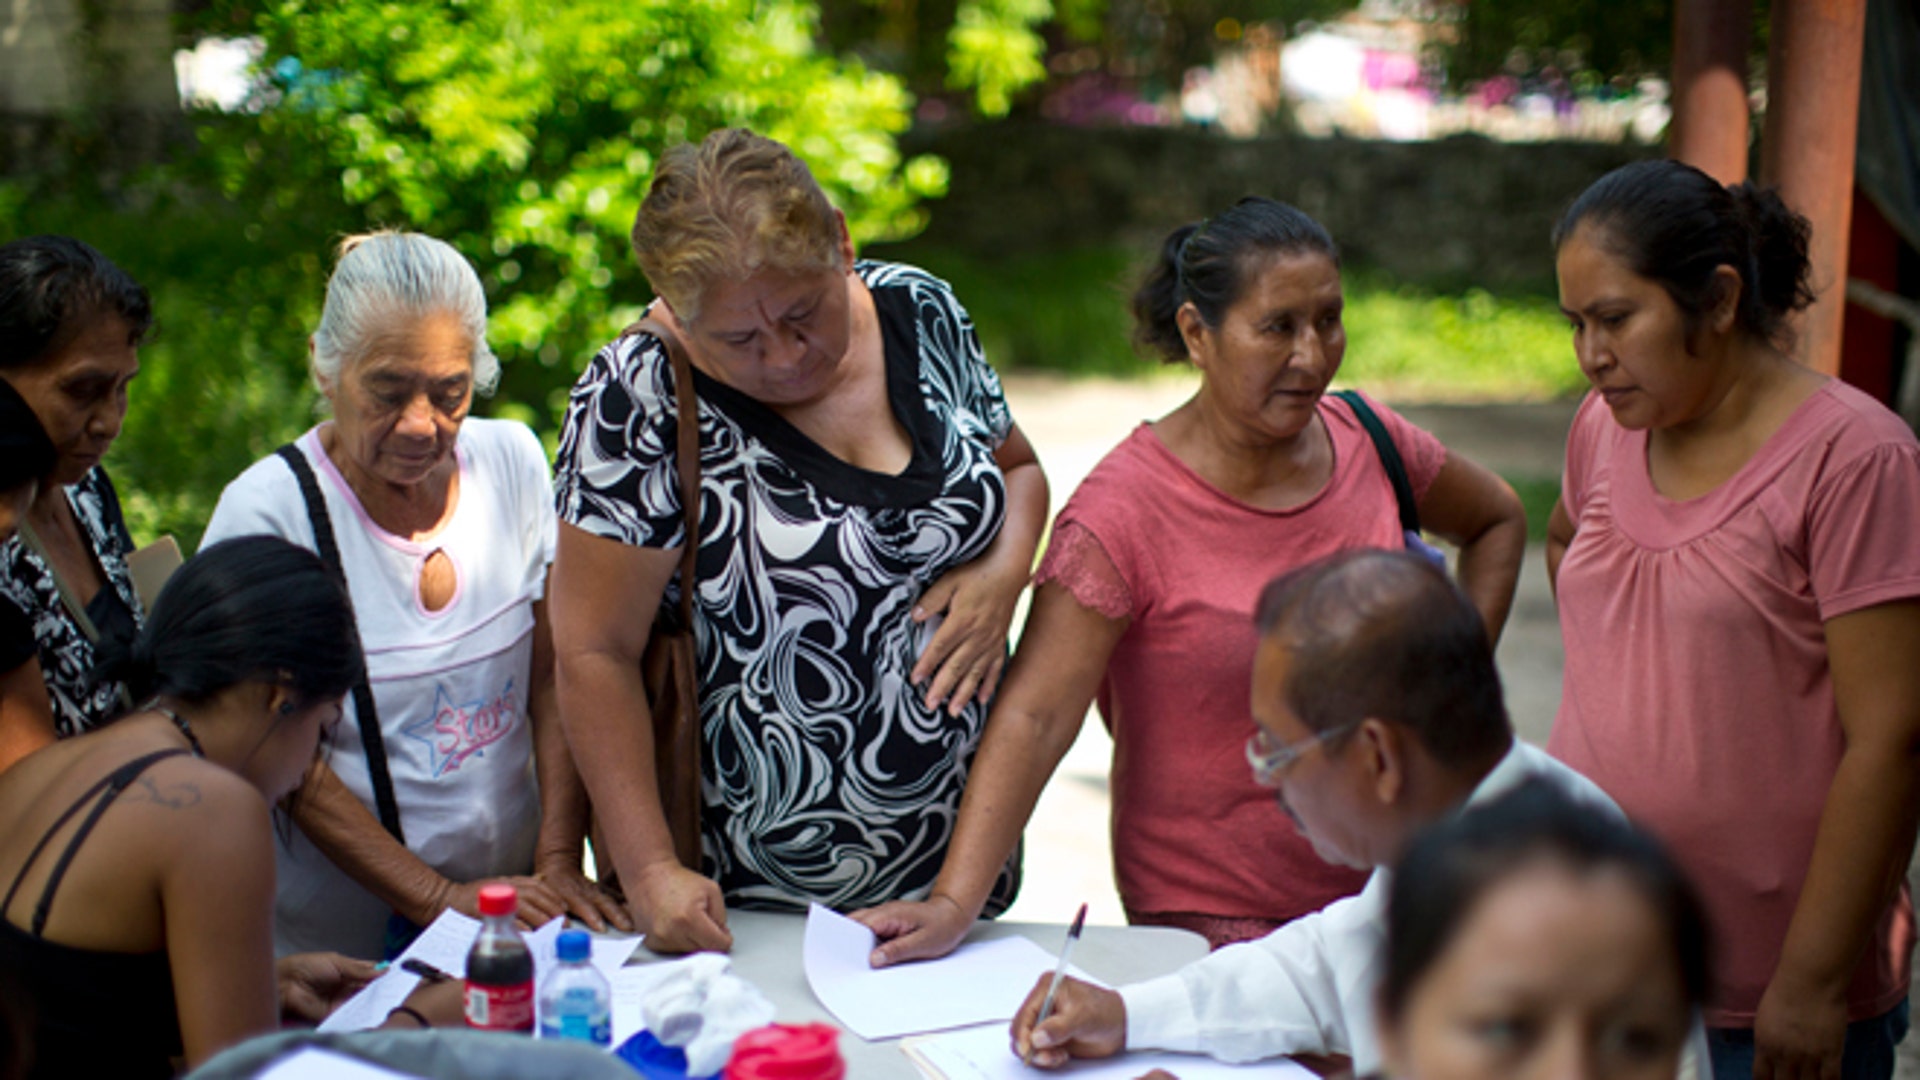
(575, 1000)
(499, 967)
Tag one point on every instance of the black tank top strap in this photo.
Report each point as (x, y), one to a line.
(112, 784)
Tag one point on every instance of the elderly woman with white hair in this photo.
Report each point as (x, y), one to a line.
(448, 768)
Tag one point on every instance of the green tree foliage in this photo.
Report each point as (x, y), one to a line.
(522, 131)
(992, 48)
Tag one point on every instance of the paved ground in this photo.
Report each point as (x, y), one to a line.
(1073, 423)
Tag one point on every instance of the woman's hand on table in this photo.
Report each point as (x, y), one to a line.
(682, 911)
(312, 985)
(915, 929)
(1087, 1022)
(540, 903)
(968, 652)
(584, 900)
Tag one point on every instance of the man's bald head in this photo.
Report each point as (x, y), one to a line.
(1385, 635)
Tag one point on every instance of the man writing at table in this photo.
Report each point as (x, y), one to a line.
(1379, 712)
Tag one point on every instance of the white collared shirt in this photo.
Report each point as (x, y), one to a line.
(1308, 987)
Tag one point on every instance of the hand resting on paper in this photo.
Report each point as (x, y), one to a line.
(915, 929)
(540, 903)
(311, 985)
(1087, 1022)
(682, 911)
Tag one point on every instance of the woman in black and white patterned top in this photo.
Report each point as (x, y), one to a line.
(869, 515)
(70, 326)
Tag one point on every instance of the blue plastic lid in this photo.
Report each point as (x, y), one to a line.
(574, 945)
(653, 1059)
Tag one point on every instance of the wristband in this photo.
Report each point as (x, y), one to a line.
(409, 1011)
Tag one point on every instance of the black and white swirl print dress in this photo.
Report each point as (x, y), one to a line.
(825, 776)
(66, 655)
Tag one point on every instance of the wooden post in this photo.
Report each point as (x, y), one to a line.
(1813, 114)
(1710, 115)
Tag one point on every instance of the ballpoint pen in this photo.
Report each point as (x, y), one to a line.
(1053, 986)
(424, 970)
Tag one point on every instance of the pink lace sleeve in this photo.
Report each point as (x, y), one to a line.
(1076, 561)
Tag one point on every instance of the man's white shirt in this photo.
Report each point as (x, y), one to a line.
(1308, 987)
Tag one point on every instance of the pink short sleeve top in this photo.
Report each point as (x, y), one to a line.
(1145, 538)
(1697, 691)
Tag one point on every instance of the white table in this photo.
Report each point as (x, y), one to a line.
(767, 953)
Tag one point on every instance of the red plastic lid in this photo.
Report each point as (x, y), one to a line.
(499, 900)
(788, 1052)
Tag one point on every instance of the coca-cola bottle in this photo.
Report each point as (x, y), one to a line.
(499, 967)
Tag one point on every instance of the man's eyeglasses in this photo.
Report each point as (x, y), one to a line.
(1269, 759)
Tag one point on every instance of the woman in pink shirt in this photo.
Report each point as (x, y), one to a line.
(1145, 597)
(1735, 565)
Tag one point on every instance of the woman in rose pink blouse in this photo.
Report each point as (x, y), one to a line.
(1145, 598)
(1737, 574)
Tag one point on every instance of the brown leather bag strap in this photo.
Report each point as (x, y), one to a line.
(688, 453)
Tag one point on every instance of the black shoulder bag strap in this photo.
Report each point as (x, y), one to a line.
(363, 710)
(1389, 457)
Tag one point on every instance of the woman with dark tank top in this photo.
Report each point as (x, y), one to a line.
(137, 859)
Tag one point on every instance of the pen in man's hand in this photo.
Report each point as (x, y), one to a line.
(424, 970)
(1053, 987)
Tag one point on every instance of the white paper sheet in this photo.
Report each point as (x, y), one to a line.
(313, 1063)
(977, 983)
(610, 951)
(986, 1053)
(444, 944)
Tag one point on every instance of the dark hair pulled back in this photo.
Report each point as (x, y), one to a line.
(50, 286)
(1205, 263)
(1451, 866)
(254, 607)
(1674, 224)
(26, 454)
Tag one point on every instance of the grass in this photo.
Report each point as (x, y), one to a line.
(1411, 345)
(1537, 494)
(1066, 312)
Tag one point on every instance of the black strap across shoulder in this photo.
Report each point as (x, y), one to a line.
(113, 784)
(1389, 457)
(363, 708)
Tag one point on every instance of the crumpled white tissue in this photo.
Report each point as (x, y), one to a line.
(703, 1007)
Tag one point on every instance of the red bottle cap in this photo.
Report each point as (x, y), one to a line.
(499, 900)
(788, 1052)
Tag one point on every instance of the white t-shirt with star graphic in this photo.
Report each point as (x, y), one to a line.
(450, 685)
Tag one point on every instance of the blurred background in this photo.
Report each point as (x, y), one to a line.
(1032, 151)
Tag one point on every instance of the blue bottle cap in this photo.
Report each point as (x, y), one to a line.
(574, 945)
